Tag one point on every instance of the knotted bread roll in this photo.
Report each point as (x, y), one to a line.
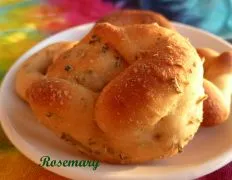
(123, 94)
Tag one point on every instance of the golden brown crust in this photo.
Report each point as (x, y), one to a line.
(217, 85)
(129, 17)
(123, 94)
(36, 66)
(215, 110)
(207, 56)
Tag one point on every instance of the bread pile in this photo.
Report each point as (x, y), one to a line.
(132, 90)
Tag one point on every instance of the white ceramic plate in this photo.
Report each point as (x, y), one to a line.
(210, 149)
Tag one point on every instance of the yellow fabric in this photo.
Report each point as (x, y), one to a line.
(18, 33)
(15, 166)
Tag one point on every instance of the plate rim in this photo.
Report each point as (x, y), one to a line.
(202, 169)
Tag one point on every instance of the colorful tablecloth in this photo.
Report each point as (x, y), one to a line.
(23, 23)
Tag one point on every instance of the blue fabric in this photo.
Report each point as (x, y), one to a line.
(214, 16)
(211, 15)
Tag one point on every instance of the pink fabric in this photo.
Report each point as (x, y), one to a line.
(83, 11)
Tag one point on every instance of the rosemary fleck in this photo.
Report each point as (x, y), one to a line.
(117, 57)
(180, 148)
(68, 138)
(68, 68)
(123, 156)
(91, 141)
(49, 114)
(202, 99)
(157, 136)
(90, 71)
(117, 63)
(190, 122)
(176, 85)
(105, 47)
(94, 39)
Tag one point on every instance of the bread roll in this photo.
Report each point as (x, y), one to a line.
(218, 86)
(123, 95)
(129, 17)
